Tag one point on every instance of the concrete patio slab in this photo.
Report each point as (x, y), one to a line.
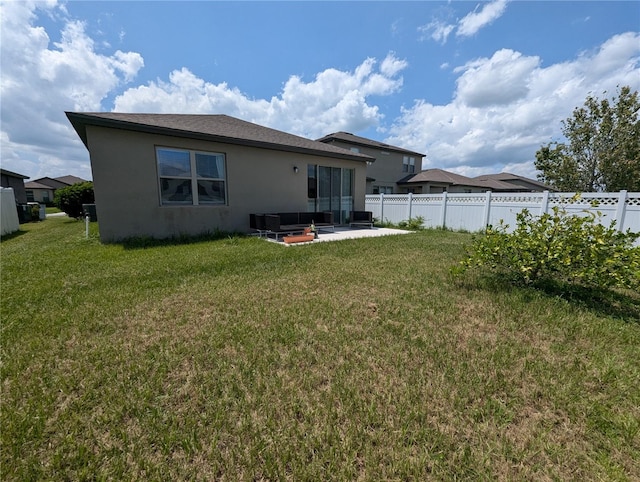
(347, 233)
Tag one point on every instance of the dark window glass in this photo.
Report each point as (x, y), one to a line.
(176, 191)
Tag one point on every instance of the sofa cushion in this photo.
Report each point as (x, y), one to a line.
(289, 218)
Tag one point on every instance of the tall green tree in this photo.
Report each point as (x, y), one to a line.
(602, 152)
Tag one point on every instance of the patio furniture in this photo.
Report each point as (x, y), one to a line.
(280, 224)
(256, 221)
(361, 218)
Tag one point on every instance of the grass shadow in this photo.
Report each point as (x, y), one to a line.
(146, 242)
(621, 304)
(15, 234)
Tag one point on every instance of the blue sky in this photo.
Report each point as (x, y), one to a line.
(476, 86)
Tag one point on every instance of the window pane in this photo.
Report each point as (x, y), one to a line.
(210, 166)
(211, 192)
(347, 182)
(312, 182)
(174, 163)
(176, 191)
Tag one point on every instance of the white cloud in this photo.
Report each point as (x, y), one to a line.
(499, 80)
(473, 22)
(40, 81)
(437, 30)
(334, 100)
(505, 107)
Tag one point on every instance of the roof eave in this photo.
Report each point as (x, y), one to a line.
(373, 144)
(80, 121)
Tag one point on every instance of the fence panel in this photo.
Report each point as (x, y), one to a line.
(472, 212)
(8, 213)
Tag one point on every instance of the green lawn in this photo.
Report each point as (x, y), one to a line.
(238, 359)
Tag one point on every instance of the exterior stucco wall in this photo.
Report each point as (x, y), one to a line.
(259, 180)
(387, 168)
(42, 195)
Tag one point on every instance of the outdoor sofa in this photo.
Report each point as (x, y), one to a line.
(361, 218)
(290, 223)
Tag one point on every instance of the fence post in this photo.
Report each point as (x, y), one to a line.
(410, 201)
(544, 203)
(487, 209)
(620, 211)
(382, 208)
(443, 220)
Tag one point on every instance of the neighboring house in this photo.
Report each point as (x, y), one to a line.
(164, 175)
(432, 181)
(521, 183)
(391, 163)
(42, 190)
(15, 181)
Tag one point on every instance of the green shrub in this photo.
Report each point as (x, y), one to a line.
(412, 224)
(558, 247)
(35, 212)
(70, 199)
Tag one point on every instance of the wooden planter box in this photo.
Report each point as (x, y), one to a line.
(298, 238)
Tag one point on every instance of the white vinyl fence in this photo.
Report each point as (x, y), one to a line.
(8, 212)
(474, 211)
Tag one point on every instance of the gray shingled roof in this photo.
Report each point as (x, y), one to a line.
(69, 179)
(442, 176)
(507, 176)
(363, 141)
(13, 174)
(489, 181)
(216, 128)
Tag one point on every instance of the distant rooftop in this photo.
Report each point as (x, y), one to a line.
(364, 142)
(495, 182)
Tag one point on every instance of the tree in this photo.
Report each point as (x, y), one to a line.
(71, 198)
(603, 149)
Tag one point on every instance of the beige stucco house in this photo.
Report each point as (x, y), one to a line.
(391, 163)
(43, 190)
(166, 175)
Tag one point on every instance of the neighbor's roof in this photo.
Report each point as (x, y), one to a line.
(12, 174)
(37, 185)
(216, 128)
(53, 182)
(70, 179)
(507, 176)
(441, 176)
(445, 177)
(364, 142)
(47, 182)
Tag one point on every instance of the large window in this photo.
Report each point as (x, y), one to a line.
(382, 190)
(191, 177)
(408, 164)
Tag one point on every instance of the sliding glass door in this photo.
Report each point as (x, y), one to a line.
(331, 189)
